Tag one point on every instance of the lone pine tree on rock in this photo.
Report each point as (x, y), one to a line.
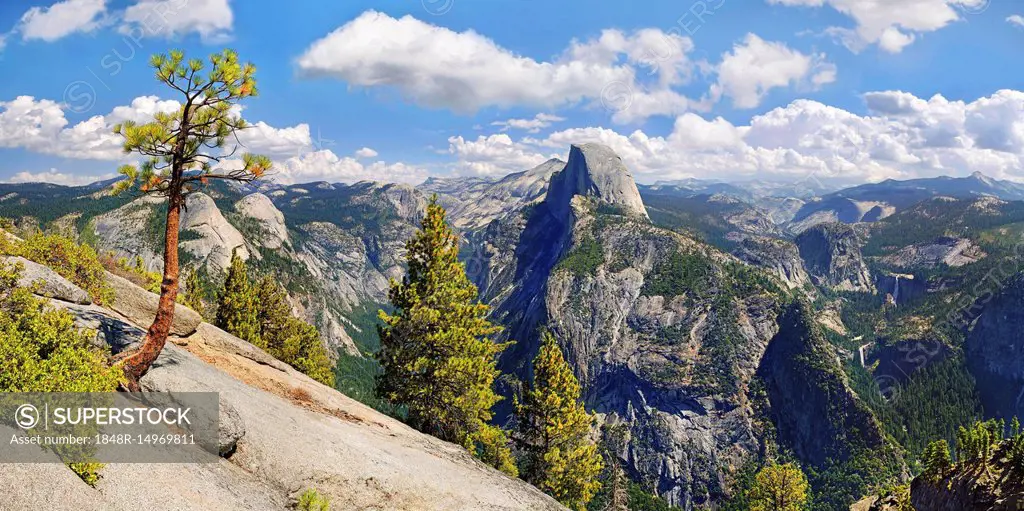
(183, 151)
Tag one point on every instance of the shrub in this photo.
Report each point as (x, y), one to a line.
(134, 272)
(41, 351)
(312, 500)
(77, 263)
(583, 259)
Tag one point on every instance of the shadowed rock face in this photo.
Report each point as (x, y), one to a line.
(831, 253)
(815, 411)
(995, 351)
(577, 264)
(594, 170)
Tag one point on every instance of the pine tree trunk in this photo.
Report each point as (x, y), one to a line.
(137, 363)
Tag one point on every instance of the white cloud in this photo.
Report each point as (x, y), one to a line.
(465, 71)
(756, 66)
(891, 24)
(366, 152)
(211, 19)
(533, 125)
(265, 139)
(59, 178)
(61, 19)
(1015, 19)
(902, 137)
(41, 126)
(324, 165)
(493, 155)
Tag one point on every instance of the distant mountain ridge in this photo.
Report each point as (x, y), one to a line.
(667, 299)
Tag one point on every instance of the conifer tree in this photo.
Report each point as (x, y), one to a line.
(554, 430)
(237, 310)
(181, 152)
(937, 460)
(438, 360)
(194, 295)
(260, 314)
(779, 488)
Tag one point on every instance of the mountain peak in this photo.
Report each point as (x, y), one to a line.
(594, 170)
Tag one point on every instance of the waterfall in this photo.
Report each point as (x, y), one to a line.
(896, 291)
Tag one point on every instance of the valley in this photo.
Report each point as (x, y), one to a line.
(711, 325)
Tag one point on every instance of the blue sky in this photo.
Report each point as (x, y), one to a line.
(840, 90)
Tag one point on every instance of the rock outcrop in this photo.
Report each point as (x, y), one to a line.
(208, 236)
(781, 257)
(280, 434)
(595, 171)
(139, 306)
(47, 282)
(953, 252)
(831, 254)
(998, 486)
(270, 229)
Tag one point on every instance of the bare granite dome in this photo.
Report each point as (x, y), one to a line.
(594, 170)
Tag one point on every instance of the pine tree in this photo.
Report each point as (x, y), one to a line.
(237, 312)
(274, 313)
(554, 429)
(937, 461)
(181, 152)
(195, 297)
(779, 488)
(438, 360)
(261, 314)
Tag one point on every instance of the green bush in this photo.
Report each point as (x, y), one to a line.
(135, 271)
(312, 500)
(584, 258)
(681, 274)
(41, 351)
(77, 263)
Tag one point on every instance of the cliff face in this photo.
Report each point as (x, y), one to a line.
(595, 171)
(818, 415)
(664, 332)
(831, 253)
(995, 351)
(775, 255)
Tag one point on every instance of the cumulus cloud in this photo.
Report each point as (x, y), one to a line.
(61, 19)
(1015, 19)
(492, 155)
(755, 66)
(891, 24)
(366, 152)
(901, 137)
(465, 71)
(324, 165)
(211, 19)
(266, 139)
(59, 178)
(41, 126)
(533, 125)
